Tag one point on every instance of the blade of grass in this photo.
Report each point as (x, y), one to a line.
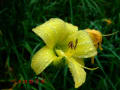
(71, 11)
(65, 76)
(101, 67)
(23, 73)
(113, 52)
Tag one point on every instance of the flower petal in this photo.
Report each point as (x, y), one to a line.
(42, 59)
(80, 61)
(84, 47)
(69, 29)
(54, 31)
(50, 30)
(78, 73)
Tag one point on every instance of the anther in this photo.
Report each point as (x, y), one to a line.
(76, 42)
(70, 45)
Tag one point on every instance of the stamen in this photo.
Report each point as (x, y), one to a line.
(111, 34)
(70, 45)
(92, 60)
(100, 46)
(76, 42)
(89, 68)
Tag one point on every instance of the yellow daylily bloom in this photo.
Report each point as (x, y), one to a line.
(96, 37)
(63, 40)
(108, 21)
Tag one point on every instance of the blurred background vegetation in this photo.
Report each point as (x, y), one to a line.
(18, 43)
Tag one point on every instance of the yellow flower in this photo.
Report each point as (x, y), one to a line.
(63, 40)
(96, 37)
(108, 21)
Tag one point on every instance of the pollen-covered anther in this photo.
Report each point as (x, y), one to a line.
(72, 45)
(76, 42)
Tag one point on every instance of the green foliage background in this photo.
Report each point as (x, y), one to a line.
(18, 43)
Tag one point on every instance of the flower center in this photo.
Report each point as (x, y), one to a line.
(71, 48)
(72, 45)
